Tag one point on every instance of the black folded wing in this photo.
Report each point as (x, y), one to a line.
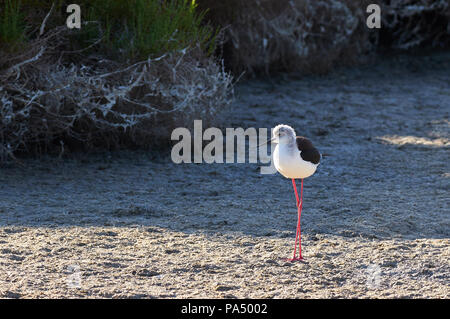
(307, 151)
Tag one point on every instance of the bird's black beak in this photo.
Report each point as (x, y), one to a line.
(268, 141)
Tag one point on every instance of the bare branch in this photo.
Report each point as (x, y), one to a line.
(41, 30)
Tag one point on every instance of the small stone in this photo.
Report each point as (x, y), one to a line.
(145, 273)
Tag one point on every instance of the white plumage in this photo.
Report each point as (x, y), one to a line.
(287, 156)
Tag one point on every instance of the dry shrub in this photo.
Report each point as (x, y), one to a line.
(413, 23)
(313, 36)
(50, 105)
(306, 35)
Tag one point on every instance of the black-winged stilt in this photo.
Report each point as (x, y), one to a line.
(294, 157)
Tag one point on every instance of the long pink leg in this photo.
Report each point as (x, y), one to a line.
(298, 232)
(298, 203)
(299, 224)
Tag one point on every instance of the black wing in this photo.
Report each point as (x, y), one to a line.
(308, 151)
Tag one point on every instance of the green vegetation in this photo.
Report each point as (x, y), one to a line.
(12, 26)
(128, 29)
(140, 28)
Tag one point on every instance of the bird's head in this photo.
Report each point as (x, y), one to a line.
(283, 134)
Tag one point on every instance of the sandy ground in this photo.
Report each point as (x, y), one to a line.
(134, 225)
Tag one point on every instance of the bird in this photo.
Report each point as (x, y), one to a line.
(294, 157)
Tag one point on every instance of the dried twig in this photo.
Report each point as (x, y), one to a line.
(41, 30)
(51, 101)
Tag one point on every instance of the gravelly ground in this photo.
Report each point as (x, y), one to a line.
(375, 218)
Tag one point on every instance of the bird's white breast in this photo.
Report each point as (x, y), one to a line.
(289, 163)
